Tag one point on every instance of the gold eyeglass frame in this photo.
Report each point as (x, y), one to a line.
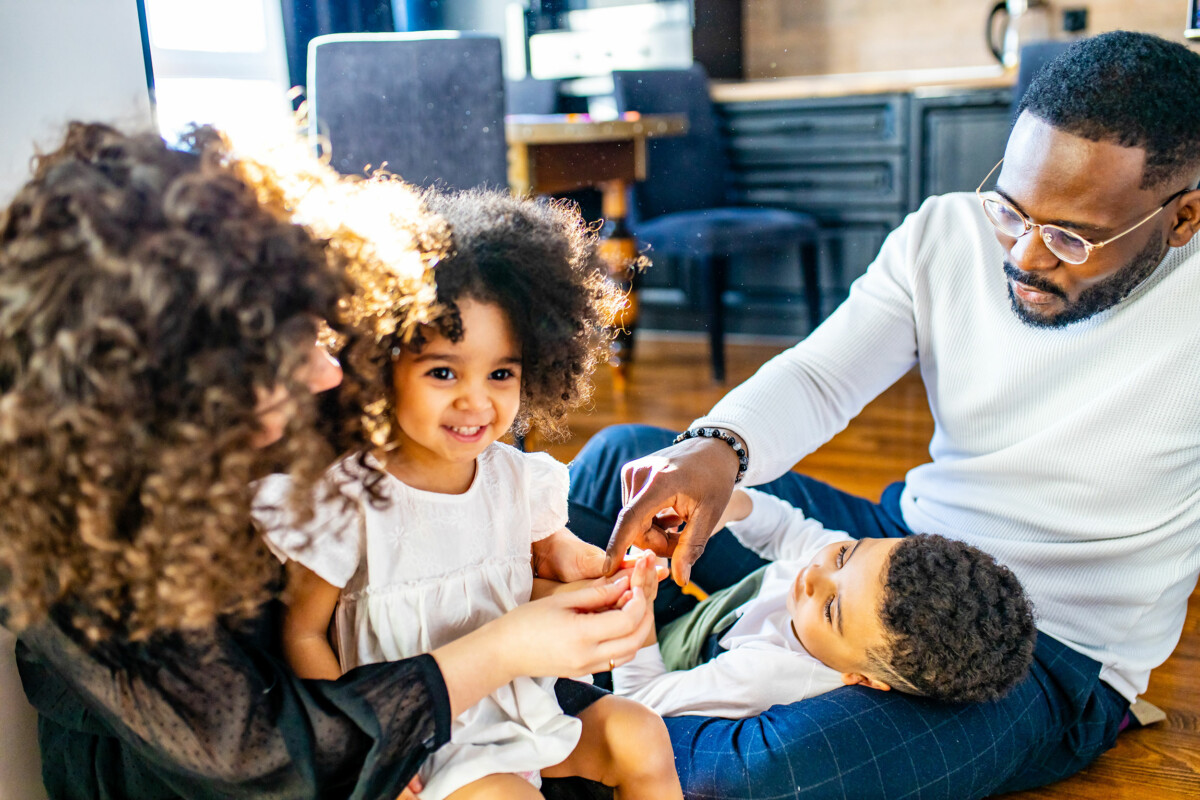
(1030, 225)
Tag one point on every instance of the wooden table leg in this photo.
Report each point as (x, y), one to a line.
(619, 250)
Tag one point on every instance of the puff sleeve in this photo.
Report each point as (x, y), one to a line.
(547, 482)
(330, 544)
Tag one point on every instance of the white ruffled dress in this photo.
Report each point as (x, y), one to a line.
(428, 568)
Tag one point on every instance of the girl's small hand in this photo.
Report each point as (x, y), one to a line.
(563, 556)
(544, 588)
(645, 570)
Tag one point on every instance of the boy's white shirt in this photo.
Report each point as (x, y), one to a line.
(764, 665)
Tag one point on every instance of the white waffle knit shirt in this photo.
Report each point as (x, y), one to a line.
(1070, 454)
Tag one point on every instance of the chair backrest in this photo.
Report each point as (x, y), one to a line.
(430, 105)
(531, 96)
(684, 173)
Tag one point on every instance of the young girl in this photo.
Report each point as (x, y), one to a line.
(432, 534)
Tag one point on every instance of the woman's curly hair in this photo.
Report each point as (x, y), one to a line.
(539, 262)
(145, 293)
(959, 626)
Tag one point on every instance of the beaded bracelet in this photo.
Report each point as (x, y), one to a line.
(728, 438)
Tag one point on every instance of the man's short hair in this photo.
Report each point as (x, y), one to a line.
(1131, 89)
(959, 626)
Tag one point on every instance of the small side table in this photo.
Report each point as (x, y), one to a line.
(558, 153)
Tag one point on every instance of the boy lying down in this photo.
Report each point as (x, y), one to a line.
(921, 614)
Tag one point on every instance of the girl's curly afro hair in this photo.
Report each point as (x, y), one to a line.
(539, 262)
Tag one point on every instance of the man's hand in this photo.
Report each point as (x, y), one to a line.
(563, 556)
(695, 479)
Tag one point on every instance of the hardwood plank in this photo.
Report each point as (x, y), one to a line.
(670, 386)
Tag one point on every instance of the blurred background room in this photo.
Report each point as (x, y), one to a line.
(756, 153)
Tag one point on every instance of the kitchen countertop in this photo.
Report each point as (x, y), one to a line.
(924, 82)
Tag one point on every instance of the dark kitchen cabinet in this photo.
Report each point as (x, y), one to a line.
(859, 164)
(956, 138)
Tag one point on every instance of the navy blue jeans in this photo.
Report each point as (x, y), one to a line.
(859, 743)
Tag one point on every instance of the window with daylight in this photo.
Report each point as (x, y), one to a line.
(221, 62)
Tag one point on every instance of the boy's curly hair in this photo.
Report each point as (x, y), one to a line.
(145, 292)
(959, 626)
(539, 262)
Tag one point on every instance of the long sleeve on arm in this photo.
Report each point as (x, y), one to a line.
(217, 715)
(801, 398)
(740, 683)
(778, 531)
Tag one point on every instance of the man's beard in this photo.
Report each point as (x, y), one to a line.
(1092, 300)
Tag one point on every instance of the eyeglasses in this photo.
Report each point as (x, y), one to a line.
(1066, 245)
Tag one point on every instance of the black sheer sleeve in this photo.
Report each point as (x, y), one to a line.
(219, 715)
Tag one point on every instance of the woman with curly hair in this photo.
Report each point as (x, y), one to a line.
(159, 313)
(520, 322)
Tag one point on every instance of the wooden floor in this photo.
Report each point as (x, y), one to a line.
(670, 386)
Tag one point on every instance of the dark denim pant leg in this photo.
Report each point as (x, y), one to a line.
(859, 744)
(855, 742)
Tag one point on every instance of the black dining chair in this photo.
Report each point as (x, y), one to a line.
(531, 96)
(430, 105)
(684, 208)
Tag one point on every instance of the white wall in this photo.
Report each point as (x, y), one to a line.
(62, 60)
(20, 762)
(59, 60)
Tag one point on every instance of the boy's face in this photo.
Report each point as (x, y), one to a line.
(834, 604)
(453, 399)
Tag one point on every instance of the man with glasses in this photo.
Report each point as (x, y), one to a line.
(1055, 318)
(1033, 297)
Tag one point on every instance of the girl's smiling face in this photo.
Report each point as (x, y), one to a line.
(453, 399)
(834, 605)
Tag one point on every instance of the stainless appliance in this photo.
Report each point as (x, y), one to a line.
(1015, 23)
(595, 41)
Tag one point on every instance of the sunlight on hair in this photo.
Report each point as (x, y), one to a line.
(377, 224)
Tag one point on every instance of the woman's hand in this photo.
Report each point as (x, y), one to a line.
(566, 634)
(694, 478)
(581, 631)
